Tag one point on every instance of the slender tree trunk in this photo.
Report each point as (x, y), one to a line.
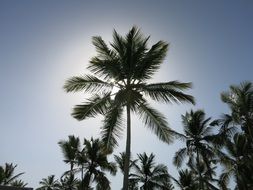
(128, 146)
(199, 172)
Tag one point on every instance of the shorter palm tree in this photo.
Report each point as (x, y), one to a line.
(49, 183)
(240, 101)
(150, 175)
(198, 136)
(96, 163)
(7, 175)
(69, 182)
(186, 180)
(237, 160)
(70, 150)
(18, 183)
(120, 160)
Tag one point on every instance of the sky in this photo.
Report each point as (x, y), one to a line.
(43, 43)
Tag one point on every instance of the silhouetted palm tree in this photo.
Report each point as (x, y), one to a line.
(132, 184)
(126, 68)
(18, 183)
(186, 180)
(95, 165)
(197, 134)
(49, 183)
(7, 175)
(69, 182)
(238, 162)
(149, 174)
(240, 102)
(70, 150)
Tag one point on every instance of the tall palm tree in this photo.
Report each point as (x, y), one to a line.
(7, 175)
(70, 150)
(119, 80)
(96, 164)
(197, 136)
(49, 183)
(150, 175)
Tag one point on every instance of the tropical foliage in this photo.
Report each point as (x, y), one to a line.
(8, 176)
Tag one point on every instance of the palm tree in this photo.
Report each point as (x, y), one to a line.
(150, 175)
(186, 180)
(125, 69)
(240, 101)
(49, 183)
(96, 164)
(18, 183)
(237, 161)
(7, 175)
(69, 182)
(70, 150)
(198, 149)
(120, 159)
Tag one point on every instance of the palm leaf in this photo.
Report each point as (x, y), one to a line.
(156, 122)
(151, 61)
(168, 92)
(112, 127)
(95, 105)
(87, 83)
(179, 157)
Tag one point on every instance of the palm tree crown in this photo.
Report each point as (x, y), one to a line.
(149, 174)
(126, 67)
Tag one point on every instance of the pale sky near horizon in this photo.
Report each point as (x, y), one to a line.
(42, 43)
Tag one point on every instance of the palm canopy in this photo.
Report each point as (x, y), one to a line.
(126, 66)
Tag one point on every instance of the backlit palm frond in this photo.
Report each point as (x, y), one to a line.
(112, 127)
(168, 92)
(108, 69)
(102, 49)
(118, 44)
(94, 106)
(156, 122)
(87, 83)
(151, 61)
(102, 182)
(179, 157)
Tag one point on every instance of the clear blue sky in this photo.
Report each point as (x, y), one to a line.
(42, 43)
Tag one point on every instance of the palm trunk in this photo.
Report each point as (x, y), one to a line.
(199, 172)
(128, 146)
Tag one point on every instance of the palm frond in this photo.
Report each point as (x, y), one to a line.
(107, 69)
(179, 157)
(151, 61)
(156, 122)
(112, 127)
(168, 92)
(87, 83)
(103, 51)
(94, 106)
